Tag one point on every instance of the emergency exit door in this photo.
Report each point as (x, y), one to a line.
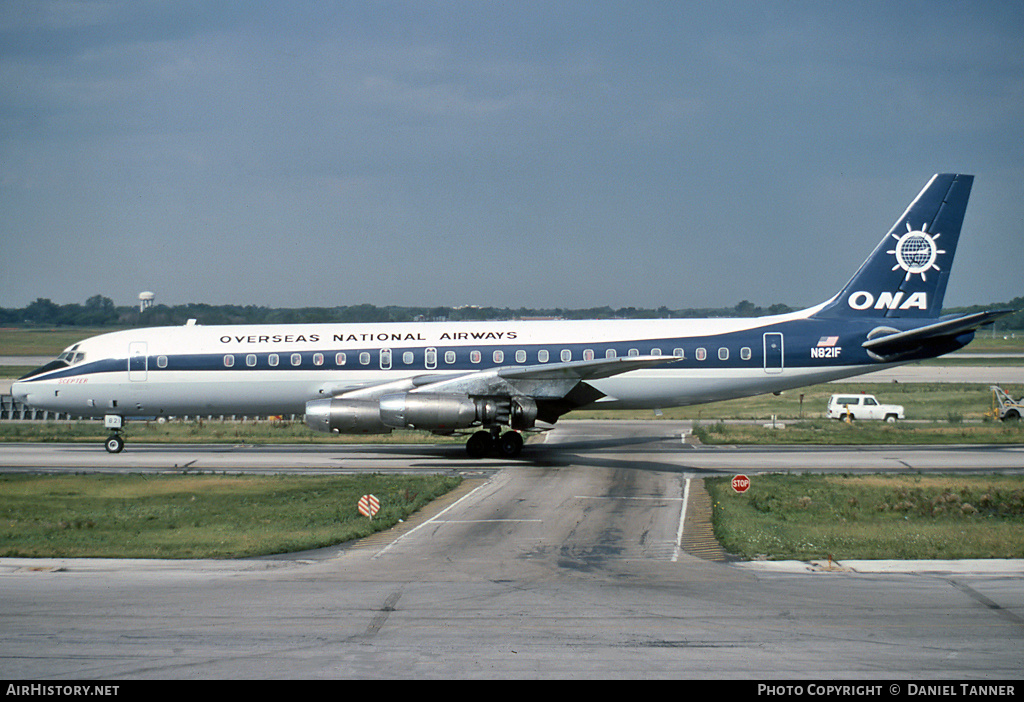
(773, 353)
(138, 361)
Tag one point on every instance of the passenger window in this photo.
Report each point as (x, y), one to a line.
(229, 361)
(723, 354)
(634, 352)
(745, 353)
(566, 355)
(364, 358)
(430, 358)
(161, 361)
(407, 358)
(340, 358)
(296, 359)
(449, 357)
(542, 356)
(611, 353)
(655, 352)
(385, 359)
(520, 356)
(318, 359)
(679, 353)
(474, 357)
(250, 360)
(701, 354)
(498, 356)
(588, 355)
(272, 359)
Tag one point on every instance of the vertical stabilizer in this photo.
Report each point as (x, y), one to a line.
(906, 274)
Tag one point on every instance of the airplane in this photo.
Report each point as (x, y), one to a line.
(496, 380)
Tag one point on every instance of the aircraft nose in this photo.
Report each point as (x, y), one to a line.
(19, 392)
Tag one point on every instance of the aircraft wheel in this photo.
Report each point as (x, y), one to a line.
(480, 444)
(114, 444)
(510, 444)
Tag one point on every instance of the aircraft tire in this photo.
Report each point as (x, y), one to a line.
(114, 444)
(480, 444)
(510, 444)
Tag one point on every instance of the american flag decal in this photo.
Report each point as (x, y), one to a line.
(828, 341)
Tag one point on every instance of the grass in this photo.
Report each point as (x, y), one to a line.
(44, 342)
(962, 361)
(205, 432)
(781, 517)
(204, 516)
(810, 517)
(928, 401)
(826, 432)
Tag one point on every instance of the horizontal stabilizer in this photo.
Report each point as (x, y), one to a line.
(912, 340)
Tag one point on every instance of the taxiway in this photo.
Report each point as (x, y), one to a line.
(563, 564)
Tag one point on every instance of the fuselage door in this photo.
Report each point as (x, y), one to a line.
(138, 361)
(773, 352)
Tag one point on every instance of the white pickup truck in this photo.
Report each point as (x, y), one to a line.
(862, 407)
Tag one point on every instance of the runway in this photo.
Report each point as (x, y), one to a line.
(631, 445)
(563, 564)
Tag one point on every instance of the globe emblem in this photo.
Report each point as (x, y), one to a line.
(916, 252)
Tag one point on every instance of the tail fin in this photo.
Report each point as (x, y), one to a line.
(906, 274)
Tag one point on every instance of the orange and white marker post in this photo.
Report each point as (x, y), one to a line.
(368, 506)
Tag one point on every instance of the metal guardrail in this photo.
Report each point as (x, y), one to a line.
(11, 409)
(14, 410)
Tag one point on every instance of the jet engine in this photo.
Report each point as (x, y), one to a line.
(428, 411)
(442, 413)
(346, 416)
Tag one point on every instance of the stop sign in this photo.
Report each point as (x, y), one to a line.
(740, 483)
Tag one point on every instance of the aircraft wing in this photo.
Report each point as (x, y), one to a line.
(542, 381)
(912, 340)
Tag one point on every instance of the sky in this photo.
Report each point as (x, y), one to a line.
(528, 154)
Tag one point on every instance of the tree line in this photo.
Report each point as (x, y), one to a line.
(100, 311)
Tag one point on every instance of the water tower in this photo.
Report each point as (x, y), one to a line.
(145, 301)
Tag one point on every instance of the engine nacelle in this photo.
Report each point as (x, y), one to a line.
(442, 413)
(430, 412)
(522, 412)
(346, 416)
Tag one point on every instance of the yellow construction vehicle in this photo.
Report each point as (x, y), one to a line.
(1005, 407)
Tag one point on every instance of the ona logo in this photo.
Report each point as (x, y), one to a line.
(862, 300)
(916, 252)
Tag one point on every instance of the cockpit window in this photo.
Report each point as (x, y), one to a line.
(51, 366)
(70, 357)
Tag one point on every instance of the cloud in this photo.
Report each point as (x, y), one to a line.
(570, 154)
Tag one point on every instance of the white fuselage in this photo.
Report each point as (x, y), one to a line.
(277, 369)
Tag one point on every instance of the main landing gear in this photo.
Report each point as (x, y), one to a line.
(483, 443)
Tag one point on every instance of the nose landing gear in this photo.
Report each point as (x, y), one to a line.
(114, 442)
